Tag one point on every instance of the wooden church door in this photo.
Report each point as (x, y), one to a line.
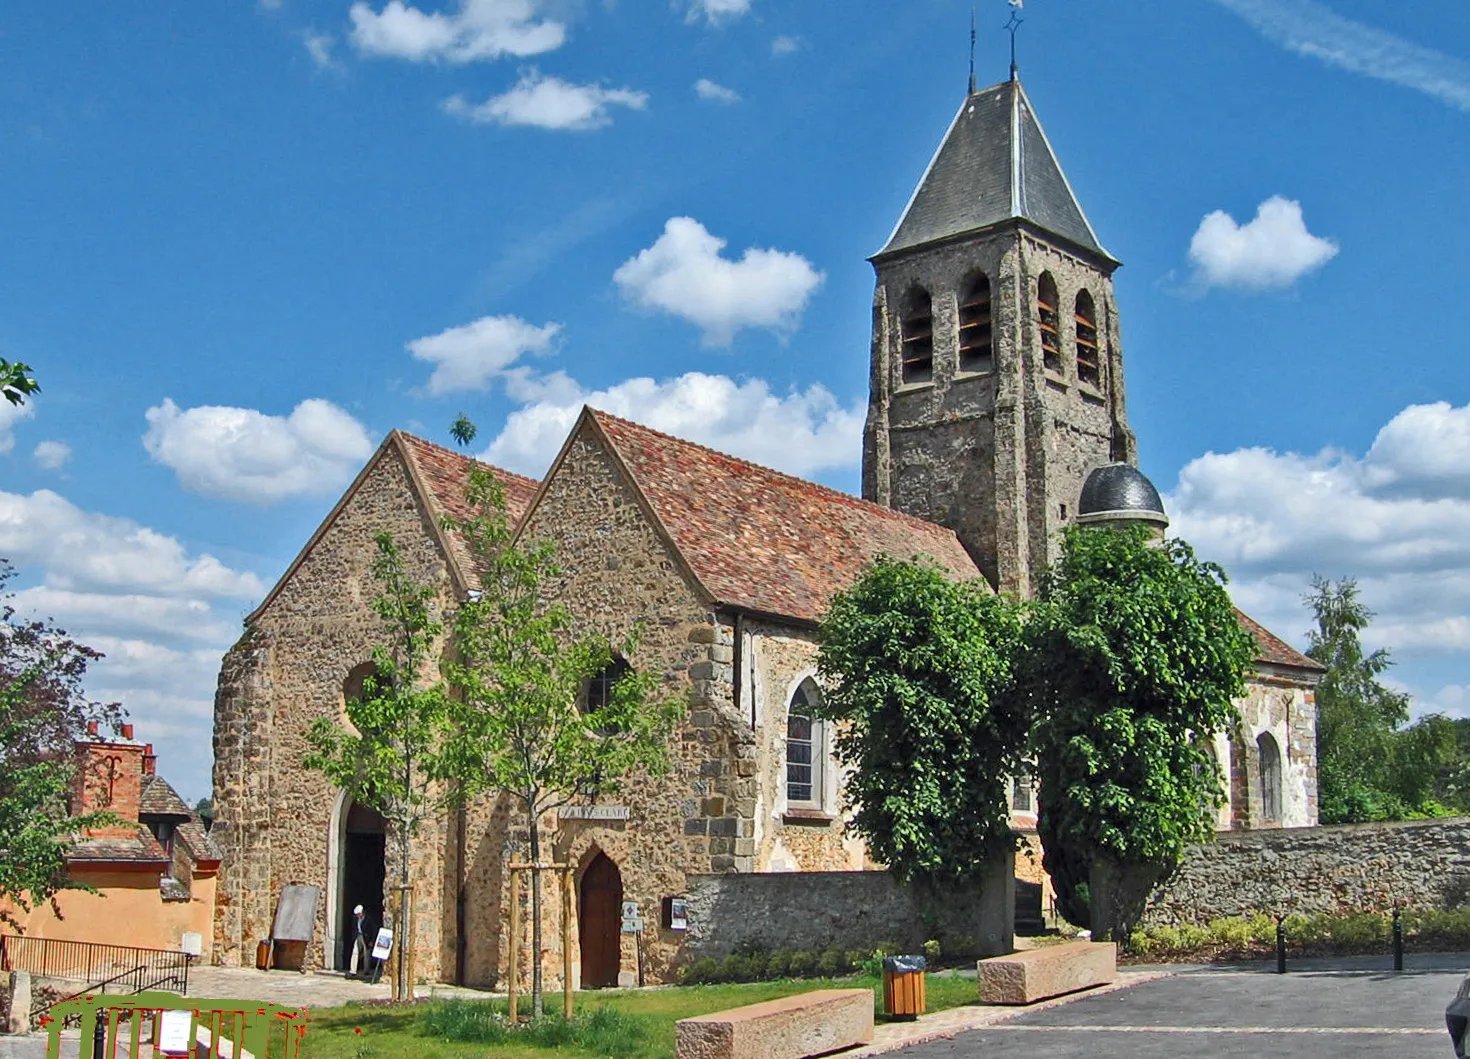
(601, 923)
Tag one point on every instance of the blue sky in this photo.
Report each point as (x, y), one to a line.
(245, 240)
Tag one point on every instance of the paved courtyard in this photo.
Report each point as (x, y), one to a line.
(1347, 1009)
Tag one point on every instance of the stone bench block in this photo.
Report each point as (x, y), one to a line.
(1026, 977)
(792, 1027)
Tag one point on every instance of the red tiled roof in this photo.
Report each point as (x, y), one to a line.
(445, 473)
(138, 848)
(199, 842)
(763, 540)
(1273, 649)
(157, 798)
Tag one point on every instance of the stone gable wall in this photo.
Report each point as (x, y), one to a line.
(1336, 870)
(274, 815)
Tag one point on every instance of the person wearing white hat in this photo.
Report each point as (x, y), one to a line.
(364, 931)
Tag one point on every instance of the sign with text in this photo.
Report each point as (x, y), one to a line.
(383, 945)
(678, 914)
(173, 1032)
(593, 812)
(632, 921)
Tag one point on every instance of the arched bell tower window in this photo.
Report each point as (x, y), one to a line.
(1270, 756)
(917, 325)
(1048, 323)
(1089, 368)
(975, 344)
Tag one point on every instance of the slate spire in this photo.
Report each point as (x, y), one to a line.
(994, 165)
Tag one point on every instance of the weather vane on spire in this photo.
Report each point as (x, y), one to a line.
(1013, 25)
(972, 51)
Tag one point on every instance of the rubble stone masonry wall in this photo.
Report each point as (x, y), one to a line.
(1337, 870)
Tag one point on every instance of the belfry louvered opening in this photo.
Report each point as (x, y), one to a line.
(1089, 364)
(917, 327)
(1048, 323)
(976, 349)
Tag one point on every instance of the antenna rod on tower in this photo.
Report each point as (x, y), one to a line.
(972, 51)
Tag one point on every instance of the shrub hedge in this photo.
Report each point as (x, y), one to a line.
(1366, 933)
(753, 962)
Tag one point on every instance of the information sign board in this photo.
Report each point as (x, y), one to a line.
(383, 944)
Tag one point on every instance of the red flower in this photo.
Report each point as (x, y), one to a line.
(357, 1029)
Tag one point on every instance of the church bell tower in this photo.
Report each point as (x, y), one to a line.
(997, 374)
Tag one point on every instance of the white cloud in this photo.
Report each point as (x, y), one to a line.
(245, 455)
(1315, 30)
(803, 432)
(548, 103)
(10, 415)
(480, 29)
(52, 455)
(783, 46)
(83, 552)
(708, 90)
(319, 46)
(683, 274)
(468, 357)
(1394, 519)
(162, 615)
(1273, 250)
(717, 11)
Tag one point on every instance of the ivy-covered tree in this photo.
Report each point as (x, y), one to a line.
(393, 757)
(918, 679)
(43, 711)
(1133, 661)
(538, 713)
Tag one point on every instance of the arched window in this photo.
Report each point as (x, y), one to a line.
(1270, 755)
(1047, 321)
(918, 336)
(975, 347)
(1088, 363)
(1021, 801)
(357, 687)
(597, 691)
(805, 749)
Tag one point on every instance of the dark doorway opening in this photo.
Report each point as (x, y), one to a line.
(363, 849)
(601, 921)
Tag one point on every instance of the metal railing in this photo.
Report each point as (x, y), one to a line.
(103, 968)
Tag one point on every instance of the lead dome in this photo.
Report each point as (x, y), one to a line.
(1120, 492)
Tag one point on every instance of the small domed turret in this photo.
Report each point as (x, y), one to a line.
(1119, 492)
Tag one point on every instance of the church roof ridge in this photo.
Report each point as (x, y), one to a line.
(994, 164)
(761, 540)
(804, 483)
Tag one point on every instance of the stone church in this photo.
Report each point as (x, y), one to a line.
(997, 417)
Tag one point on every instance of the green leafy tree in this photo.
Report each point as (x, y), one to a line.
(1369, 766)
(394, 756)
(524, 722)
(43, 711)
(918, 677)
(1134, 660)
(16, 381)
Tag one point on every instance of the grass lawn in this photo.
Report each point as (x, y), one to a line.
(637, 1024)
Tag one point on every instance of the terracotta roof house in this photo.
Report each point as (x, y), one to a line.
(152, 871)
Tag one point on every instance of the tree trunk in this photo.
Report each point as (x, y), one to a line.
(1119, 892)
(404, 977)
(535, 917)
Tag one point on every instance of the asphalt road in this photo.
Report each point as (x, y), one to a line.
(1305, 1014)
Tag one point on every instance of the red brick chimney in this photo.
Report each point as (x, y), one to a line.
(109, 779)
(150, 761)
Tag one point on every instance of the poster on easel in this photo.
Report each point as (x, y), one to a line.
(383, 944)
(173, 1032)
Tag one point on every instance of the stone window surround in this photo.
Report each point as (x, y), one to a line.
(1068, 295)
(825, 777)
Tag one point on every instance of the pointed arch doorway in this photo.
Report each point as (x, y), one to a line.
(600, 922)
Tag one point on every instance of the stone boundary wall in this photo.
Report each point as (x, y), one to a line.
(818, 910)
(1337, 870)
